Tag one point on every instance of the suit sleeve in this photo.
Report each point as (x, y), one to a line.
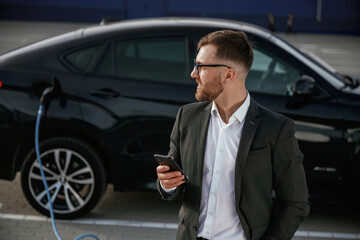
(175, 153)
(290, 185)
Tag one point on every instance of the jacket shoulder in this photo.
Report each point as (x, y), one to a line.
(270, 117)
(195, 107)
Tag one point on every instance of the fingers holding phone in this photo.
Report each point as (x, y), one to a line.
(169, 179)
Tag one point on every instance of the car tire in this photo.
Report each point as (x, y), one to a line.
(75, 177)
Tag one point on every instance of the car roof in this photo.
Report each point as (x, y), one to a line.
(101, 32)
(176, 22)
(145, 24)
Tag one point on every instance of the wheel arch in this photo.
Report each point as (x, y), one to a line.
(57, 128)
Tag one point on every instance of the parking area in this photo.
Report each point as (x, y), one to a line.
(143, 215)
(138, 215)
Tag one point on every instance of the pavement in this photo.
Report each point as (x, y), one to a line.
(143, 215)
(340, 52)
(119, 215)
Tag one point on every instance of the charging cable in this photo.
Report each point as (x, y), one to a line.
(46, 93)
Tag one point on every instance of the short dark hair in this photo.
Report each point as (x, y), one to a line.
(232, 45)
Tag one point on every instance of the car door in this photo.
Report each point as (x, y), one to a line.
(318, 119)
(133, 96)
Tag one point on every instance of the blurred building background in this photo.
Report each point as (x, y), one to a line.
(312, 16)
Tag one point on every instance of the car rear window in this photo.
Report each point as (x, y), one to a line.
(80, 59)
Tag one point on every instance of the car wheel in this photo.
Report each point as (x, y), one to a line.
(75, 176)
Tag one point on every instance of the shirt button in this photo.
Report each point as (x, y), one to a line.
(210, 213)
(217, 172)
(207, 232)
(221, 151)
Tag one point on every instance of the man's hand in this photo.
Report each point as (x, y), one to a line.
(169, 179)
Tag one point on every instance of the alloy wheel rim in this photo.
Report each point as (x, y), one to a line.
(70, 180)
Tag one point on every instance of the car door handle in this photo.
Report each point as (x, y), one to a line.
(105, 93)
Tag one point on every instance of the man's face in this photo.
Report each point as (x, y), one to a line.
(209, 78)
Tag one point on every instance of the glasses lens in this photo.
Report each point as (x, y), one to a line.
(196, 67)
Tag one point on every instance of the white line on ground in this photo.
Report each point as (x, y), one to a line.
(159, 225)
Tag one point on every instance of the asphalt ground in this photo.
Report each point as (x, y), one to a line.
(143, 215)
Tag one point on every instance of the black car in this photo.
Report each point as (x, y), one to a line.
(119, 87)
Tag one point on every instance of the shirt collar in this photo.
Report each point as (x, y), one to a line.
(239, 114)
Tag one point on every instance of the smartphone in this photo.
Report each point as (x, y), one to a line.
(169, 160)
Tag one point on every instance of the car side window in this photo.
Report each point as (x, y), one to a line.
(80, 59)
(152, 59)
(270, 74)
(105, 65)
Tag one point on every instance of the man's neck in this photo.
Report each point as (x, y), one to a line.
(227, 107)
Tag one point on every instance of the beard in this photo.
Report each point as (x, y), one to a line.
(209, 92)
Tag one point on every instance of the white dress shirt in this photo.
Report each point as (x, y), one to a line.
(218, 218)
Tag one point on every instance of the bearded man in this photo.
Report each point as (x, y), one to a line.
(235, 153)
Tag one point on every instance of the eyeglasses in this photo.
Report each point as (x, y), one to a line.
(207, 65)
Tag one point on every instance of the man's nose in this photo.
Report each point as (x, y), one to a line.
(194, 74)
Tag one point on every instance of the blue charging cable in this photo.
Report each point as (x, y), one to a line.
(44, 179)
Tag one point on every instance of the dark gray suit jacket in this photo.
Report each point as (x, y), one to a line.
(268, 159)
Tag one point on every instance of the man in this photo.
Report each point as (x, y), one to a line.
(235, 153)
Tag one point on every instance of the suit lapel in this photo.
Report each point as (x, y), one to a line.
(202, 135)
(250, 126)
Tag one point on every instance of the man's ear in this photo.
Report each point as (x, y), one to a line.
(230, 75)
